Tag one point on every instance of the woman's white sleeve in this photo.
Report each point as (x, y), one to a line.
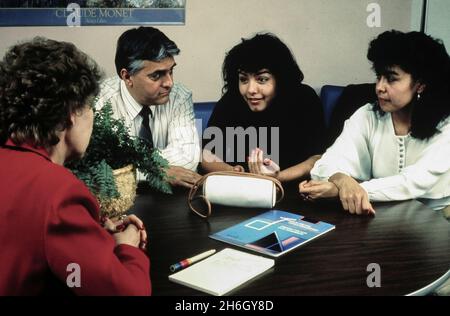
(429, 176)
(350, 153)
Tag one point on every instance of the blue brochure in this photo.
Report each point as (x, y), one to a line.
(273, 233)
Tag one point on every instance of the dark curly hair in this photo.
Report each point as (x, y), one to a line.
(264, 50)
(42, 82)
(428, 63)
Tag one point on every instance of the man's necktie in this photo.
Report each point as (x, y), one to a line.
(145, 131)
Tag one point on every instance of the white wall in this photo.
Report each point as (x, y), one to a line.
(438, 21)
(416, 14)
(328, 37)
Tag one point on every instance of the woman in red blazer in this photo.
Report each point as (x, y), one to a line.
(50, 233)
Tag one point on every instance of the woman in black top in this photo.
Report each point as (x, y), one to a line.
(266, 111)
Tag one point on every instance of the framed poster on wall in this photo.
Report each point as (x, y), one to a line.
(91, 12)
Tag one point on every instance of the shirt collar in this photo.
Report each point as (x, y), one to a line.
(28, 147)
(132, 107)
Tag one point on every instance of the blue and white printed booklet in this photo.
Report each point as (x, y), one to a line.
(273, 233)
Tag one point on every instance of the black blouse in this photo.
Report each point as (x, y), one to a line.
(300, 120)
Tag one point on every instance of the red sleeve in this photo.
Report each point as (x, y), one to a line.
(73, 235)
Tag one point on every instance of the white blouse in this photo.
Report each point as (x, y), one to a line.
(391, 167)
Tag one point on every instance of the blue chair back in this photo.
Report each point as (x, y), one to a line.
(202, 112)
(329, 95)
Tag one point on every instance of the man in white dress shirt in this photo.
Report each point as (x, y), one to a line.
(144, 64)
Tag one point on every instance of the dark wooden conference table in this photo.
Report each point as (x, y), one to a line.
(409, 242)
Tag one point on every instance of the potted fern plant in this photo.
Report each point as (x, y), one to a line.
(109, 165)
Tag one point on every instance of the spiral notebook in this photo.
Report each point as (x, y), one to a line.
(222, 272)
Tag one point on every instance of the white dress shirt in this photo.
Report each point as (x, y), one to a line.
(172, 124)
(392, 167)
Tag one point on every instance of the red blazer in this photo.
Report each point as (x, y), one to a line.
(48, 220)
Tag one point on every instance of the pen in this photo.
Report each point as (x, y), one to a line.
(187, 262)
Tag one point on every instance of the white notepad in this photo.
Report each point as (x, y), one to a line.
(222, 272)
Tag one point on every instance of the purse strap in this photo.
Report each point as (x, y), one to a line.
(192, 193)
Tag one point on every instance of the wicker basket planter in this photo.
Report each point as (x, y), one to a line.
(126, 185)
(112, 146)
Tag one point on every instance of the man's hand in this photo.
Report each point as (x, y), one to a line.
(353, 196)
(179, 176)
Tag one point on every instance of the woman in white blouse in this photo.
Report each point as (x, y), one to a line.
(399, 147)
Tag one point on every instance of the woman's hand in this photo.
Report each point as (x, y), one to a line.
(237, 168)
(353, 196)
(258, 165)
(212, 163)
(312, 190)
(128, 230)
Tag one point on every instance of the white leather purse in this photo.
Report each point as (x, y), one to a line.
(238, 189)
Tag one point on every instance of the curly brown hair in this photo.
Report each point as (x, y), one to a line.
(42, 82)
